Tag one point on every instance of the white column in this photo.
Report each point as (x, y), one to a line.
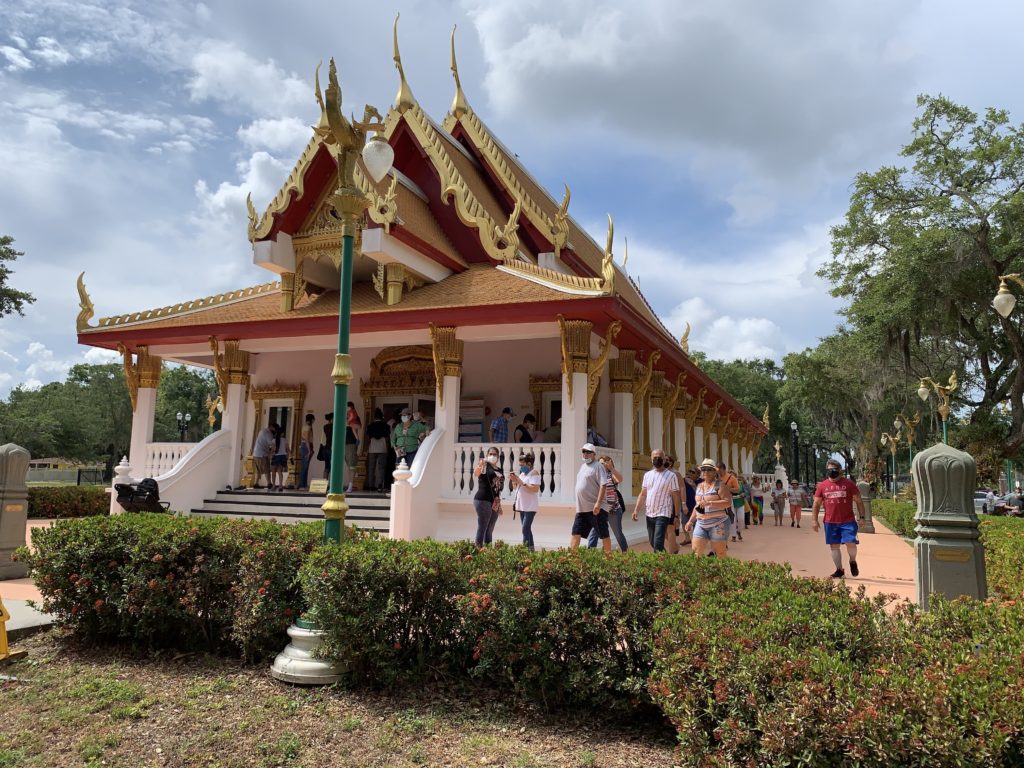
(574, 431)
(698, 444)
(622, 415)
(233, 419)
(447, 417)
(142, 430)
(713, 445)
(736, 458)
(683, 460)
(657, 429)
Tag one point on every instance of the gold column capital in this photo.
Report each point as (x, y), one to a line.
(595, 367)
(448, 354)
(621, 371)
(658, 389)
(143, 373)
(575, 348)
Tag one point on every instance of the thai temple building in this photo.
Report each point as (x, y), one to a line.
(473, 289)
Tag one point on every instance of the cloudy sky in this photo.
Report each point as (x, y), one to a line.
(723, 136)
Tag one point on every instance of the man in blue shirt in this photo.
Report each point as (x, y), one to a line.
(499, 427)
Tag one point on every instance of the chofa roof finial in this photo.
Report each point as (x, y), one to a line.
(459, 104)
(404, 99)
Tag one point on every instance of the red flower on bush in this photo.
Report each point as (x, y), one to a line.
(153, 584)
(158, 558)
(98, 604)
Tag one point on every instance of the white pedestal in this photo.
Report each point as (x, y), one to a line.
(297, 663)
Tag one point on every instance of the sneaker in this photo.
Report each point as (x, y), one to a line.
(734, 538)
(792, 524)
(838, 574)
(854, 569)
(798, 525)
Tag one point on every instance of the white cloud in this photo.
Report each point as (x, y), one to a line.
(226, 73)
(16, 60)
(287, 136)
(7, 357)
(51, 51)
(39, 351)
(98, 356)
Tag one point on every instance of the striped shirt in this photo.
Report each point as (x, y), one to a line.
(659, 487)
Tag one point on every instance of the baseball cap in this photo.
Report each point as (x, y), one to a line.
(588, 447)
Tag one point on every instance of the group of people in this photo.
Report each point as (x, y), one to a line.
(707, 507)
(388, 442)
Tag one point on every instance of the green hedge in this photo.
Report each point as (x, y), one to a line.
(1002, 537)
(154, 580)
(49, 502)
(752, 665)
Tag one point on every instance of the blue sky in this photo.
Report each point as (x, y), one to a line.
(722, 135)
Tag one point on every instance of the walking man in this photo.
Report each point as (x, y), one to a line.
(591, 501)
(659, 496)
(839, 494)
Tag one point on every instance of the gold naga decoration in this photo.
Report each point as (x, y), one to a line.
(764, 419)
(778, 452)
(212, 406)
(86, 309)
(607, 264)
(695, 408)
(145, 372)
(943, 393)
(560, 227)
(596, 366)
(229, 367)
(644, 382)
(447, 352)
(669, 406)
(684, 340)
(219, 370)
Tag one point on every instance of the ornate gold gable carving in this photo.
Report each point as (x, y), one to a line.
(391, 279)
(85, 309)
(447, 352)
(400, 370)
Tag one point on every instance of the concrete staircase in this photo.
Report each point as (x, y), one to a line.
(366, 510)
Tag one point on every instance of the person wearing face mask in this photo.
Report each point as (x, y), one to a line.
(407, 437)
(526, 485)
(659, 496)
(838, 494)
(780, 500)
(487, 500)
(591, 500)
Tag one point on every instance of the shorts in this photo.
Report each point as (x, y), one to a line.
(261, 464)
(279, 461)
(586, 521)
(715, 529)
(841, 533)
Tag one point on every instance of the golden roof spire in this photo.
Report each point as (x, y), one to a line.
(404, 98)
(321, 129)
(625, 255)
(459, 104)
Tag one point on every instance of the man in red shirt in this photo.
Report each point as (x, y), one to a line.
(839, 494)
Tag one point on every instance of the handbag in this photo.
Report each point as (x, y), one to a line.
(320, 452)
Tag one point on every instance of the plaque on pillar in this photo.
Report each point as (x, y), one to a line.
(13, 508)
(950, 557)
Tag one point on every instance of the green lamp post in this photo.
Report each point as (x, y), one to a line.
(346, 141)
(943, 393)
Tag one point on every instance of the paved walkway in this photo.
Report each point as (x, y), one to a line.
(16, 593)
(887, 562)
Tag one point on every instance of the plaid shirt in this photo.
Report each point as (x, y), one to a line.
(499, 430)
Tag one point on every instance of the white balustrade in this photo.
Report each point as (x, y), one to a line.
(547, 459)
(161, 458)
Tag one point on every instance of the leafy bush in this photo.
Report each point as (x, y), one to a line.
(155, 580)
(58, 501)
(897, 515)
(1002, 537)
(802, 674)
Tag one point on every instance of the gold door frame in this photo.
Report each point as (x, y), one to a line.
(277, 391)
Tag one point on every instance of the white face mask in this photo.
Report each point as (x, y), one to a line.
(588, 459)
(492, 459)
(405, 417)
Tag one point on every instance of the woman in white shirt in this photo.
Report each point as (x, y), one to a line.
(526, 501)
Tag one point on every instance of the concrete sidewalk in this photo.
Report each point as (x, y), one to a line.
(17, 592)
(888, 564)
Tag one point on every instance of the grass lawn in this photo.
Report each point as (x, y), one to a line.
(71, 705)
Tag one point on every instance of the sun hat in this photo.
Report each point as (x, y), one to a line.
(708, 464)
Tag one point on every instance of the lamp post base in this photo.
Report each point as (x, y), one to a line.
(298, 664)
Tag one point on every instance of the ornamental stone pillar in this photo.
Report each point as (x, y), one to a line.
(620, 372)
(231, 368)
(142, 377)
(13, 508)
(950, 558)
(865, 524)
(575, 367)
(735, 453)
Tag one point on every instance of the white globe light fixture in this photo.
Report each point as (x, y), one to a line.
(922, 391)
(378, 157)
(1004, 302)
